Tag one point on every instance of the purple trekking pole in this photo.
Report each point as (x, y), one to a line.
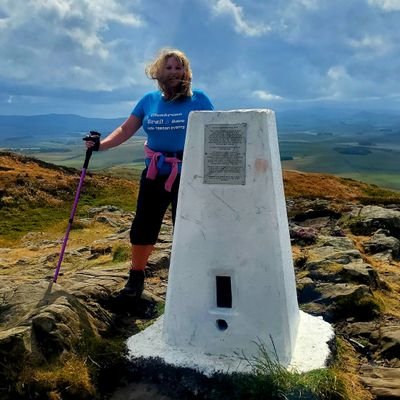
(92, 137)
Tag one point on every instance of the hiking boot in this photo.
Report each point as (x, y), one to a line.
(134, 286)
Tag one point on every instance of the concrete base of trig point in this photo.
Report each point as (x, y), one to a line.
(231, 286)
(311, 350)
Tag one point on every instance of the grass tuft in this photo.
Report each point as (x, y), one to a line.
(67, 380)
(270, 380)
(121, 253)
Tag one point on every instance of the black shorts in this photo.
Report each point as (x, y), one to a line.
(152, 203)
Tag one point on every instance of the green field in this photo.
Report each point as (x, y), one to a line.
(337, 155)
(125, 160)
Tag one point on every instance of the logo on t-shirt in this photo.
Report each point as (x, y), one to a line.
(166, 122)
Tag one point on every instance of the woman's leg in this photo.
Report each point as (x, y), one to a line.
(140, 255)
(152, 203)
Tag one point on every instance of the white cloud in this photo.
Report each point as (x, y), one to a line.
(4, 23)
(372, 45)
(342, 85)
(370, 42)
(45, 40)
(93, 51)
(101, 11)
(386, 5)
(263, 95)
(309, 4)
(90, 42)
(338, 81)
(337, 72)
(228, 7)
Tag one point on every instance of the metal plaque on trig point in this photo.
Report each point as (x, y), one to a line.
(225, 154)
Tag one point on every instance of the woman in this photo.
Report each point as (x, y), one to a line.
(163, 114)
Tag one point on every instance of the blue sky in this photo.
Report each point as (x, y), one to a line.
(87, 57)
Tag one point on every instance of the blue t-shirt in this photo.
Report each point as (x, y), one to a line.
(165, 122)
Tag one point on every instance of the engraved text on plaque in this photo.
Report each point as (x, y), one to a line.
(225, 154)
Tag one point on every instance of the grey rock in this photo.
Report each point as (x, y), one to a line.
(336, 243)
(52, 258)
(384, 383)
(303, 235)
(380, 243)
(361, 329)
(341, 292)
(107, 220)
(109, 209)
(389, 343)
(57, 315)
(355, 272)
(335, 259)
(372, 218)
(158, 260)
(360, 272)
(306, 290)
(100, 247)
(15, 347)
(338, 301)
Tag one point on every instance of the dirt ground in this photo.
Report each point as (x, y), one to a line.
(139, 391)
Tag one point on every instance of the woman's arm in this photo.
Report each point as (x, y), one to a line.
(122, 133)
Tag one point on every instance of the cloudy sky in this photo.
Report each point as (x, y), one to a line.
(88, 56)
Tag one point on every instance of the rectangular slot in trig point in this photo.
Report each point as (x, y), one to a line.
(224, 291)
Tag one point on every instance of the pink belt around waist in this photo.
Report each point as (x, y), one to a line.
(152, 171)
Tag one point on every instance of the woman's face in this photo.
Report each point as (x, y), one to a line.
(172, 73)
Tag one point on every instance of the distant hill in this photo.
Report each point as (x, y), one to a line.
(359, 144)
(338, 121)
(53, 124)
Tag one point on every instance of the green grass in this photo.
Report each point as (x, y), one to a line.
(121, 253)
(96, 365)
(15, 223)
(18, 221)
(114, 194)
(270, 380)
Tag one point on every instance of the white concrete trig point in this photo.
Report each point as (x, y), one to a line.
(231, 282)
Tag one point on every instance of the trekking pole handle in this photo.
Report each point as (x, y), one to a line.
(94, 137)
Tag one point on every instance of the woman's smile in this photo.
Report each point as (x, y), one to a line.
(173, 72)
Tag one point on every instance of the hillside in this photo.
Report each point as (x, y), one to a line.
(315, 185)
(27, 183)
(28, 180)
(38, 196)
(43, 193)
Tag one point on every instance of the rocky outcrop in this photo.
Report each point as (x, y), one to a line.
(384, 383)
(383, 246)
(334, 280)
(369, 219)
(41, 321)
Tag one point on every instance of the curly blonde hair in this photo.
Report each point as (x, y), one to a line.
(154, 71)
